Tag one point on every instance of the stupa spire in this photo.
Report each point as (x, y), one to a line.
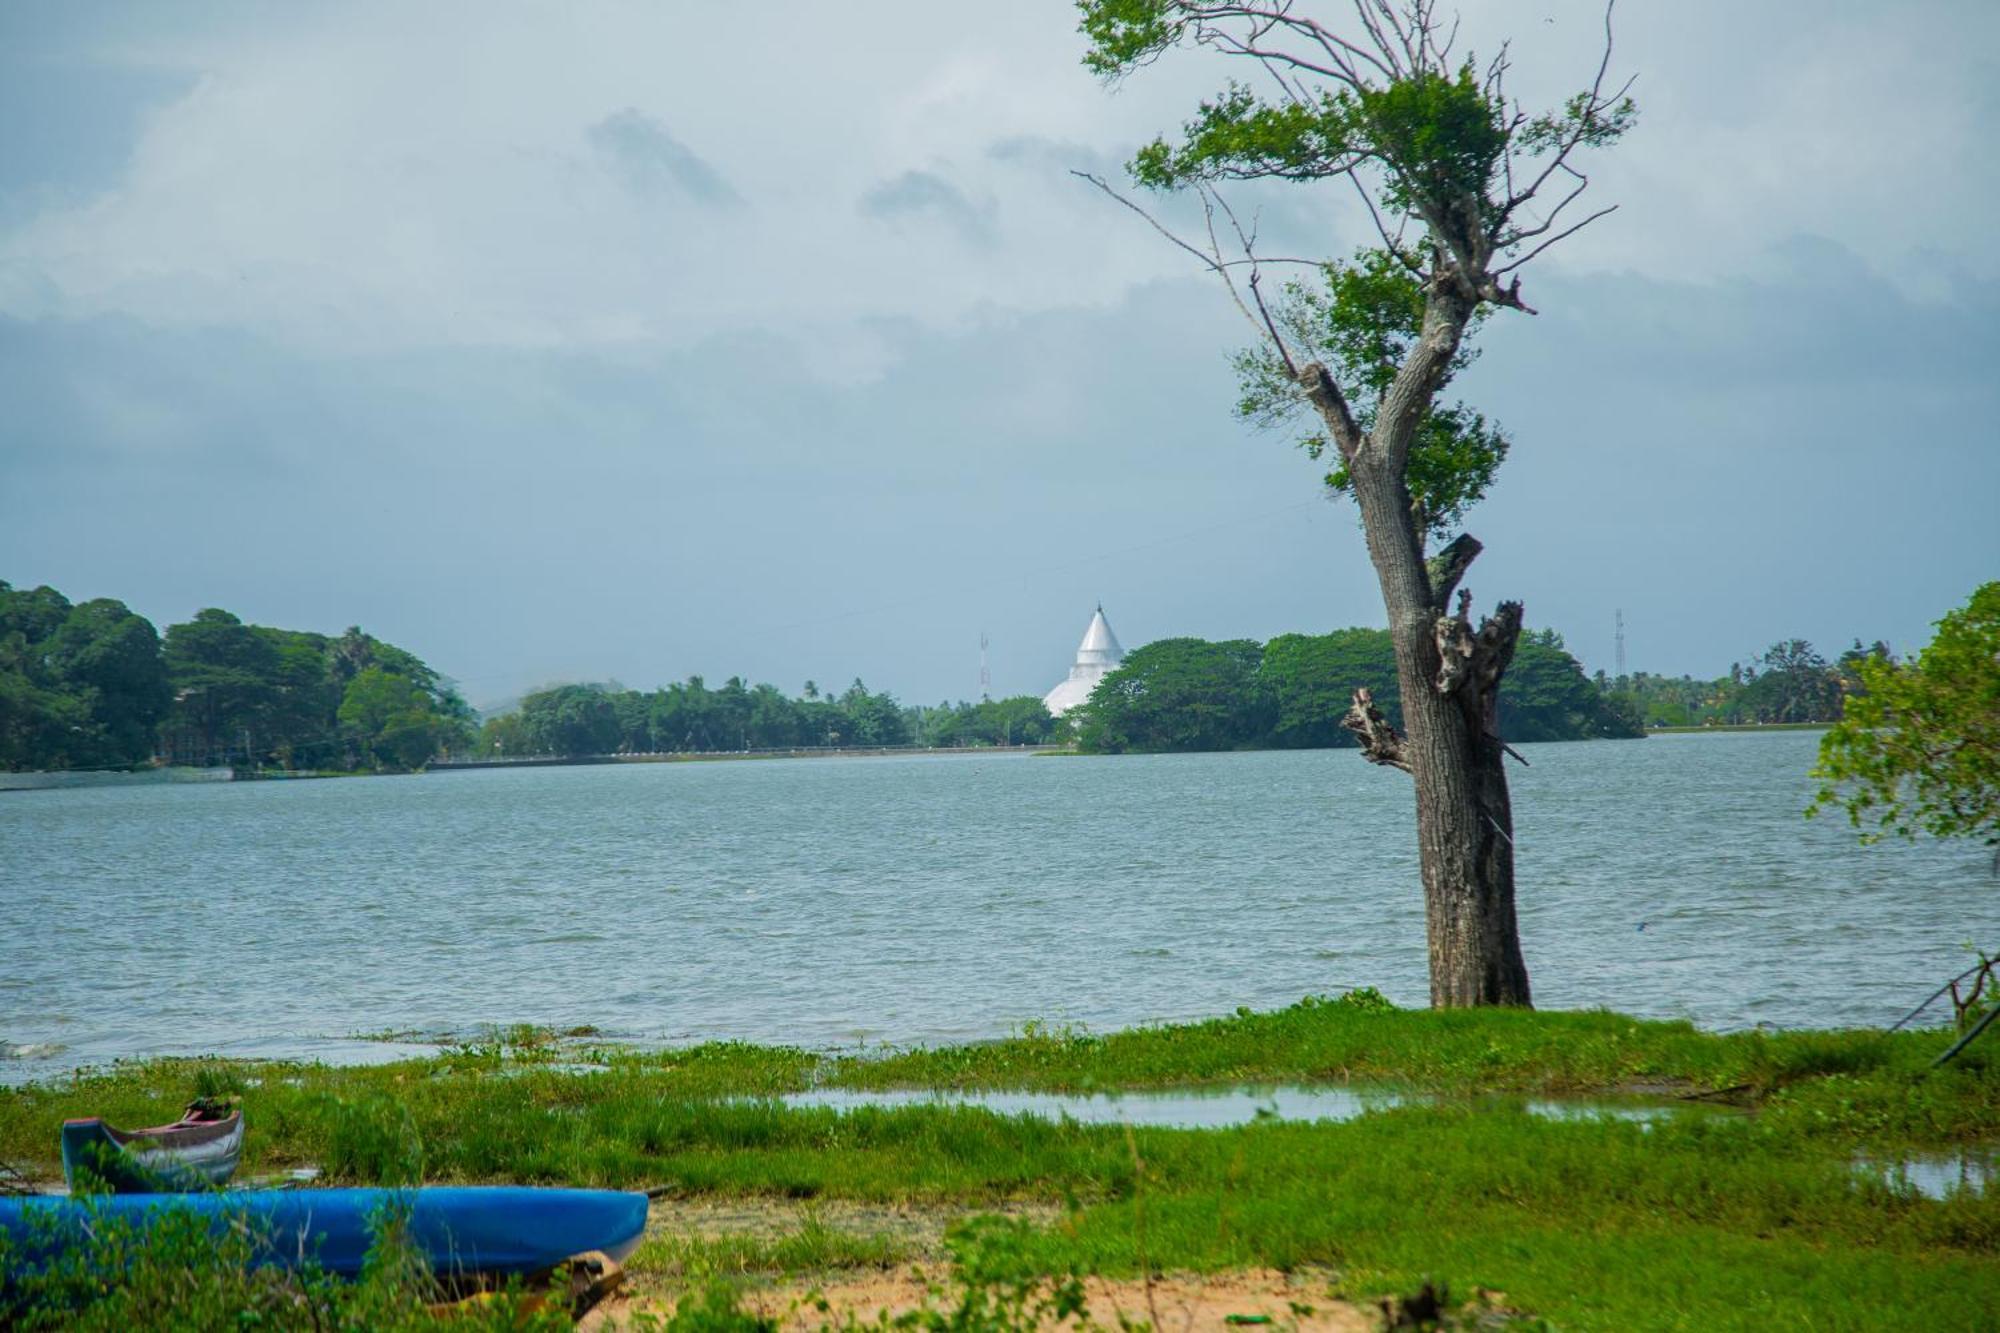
(1097, 656)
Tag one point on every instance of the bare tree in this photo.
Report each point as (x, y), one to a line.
(1463, 188)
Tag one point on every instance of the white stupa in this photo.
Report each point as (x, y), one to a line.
(1096, 657)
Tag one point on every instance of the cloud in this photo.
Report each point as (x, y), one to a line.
(394, 273)
(1704, 456)
(356, 176)
(647, 157)
(919, 193)
(1804, 453)
(360, 177)
(1035, 153)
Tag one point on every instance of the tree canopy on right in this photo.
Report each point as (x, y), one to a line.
(1919, 746)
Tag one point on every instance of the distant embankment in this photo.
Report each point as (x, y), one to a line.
(110, 778)
(1738, 726)
(720, 756)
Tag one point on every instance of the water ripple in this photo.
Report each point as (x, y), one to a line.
(931, 899)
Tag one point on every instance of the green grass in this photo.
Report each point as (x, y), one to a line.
(1360, 1038)
(525, 1104)
(1712, 1221)
(1594, 1224)
(1861, 1084)
(812, 1248)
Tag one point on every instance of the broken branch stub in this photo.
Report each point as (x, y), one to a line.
(1381, 743)
(1475, 658)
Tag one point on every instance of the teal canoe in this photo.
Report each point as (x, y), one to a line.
(471, 1229)
(197, 1152)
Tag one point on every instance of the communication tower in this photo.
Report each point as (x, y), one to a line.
(985, 672)
(1618, 620)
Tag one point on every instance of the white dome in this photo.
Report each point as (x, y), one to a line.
(1096, 657)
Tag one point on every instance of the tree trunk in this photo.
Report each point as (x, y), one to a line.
(1450, 677)
(1465, 830)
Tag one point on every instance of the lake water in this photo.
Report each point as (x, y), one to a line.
(845, 902)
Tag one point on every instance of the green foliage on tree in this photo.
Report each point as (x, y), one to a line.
(1919, 748)
(873, 719)
(570, 720)
(690, 717)
(1313, 676)
(1796, 685)
(80, 686)
(1546, 697)
(1361, 319)
(1789, 683)
(1189, 694)
(1021, 720)
(255, 694)
(389, 718)
(1435, 146)
(504, 737)
(1180, 695)
(110, 657)
(1176, 695)
(94, 686)
(1848, 668)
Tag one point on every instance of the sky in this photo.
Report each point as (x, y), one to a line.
(634, 341)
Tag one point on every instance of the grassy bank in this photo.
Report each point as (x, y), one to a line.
(1708, 1221)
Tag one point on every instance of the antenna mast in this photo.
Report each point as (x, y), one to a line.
(1618, 619)
(985, 672)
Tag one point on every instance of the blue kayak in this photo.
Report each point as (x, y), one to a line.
(503, 1229)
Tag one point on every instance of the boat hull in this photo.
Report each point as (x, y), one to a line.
(186, 1156)
(470, 1229)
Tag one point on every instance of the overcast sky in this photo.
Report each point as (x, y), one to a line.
(641, 340)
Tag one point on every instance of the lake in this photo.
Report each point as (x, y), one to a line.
(837, 903)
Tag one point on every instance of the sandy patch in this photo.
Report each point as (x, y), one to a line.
(1243, 1302)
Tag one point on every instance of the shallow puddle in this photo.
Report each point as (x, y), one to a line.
(1935, 1175)
(1221, 1108)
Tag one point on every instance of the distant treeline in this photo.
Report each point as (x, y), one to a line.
(1191, 694)
(1176, 694)
(1791, 682)
(94, 685)
(690, 717)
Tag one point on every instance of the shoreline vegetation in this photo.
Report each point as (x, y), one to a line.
(93, 687)
(1755, 1217)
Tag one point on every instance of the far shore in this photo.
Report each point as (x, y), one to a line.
(37, 780)
(1738, 726)
(724, 756)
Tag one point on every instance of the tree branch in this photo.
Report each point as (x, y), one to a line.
(1212, 261)
(1510, 266)
(1324, 393)
(1264, 18)
(1474, 661)
(1594, 103)
(1448, 566)
(1271, 327)
(1381, 743)
(1423, 372)
(1317, 383)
